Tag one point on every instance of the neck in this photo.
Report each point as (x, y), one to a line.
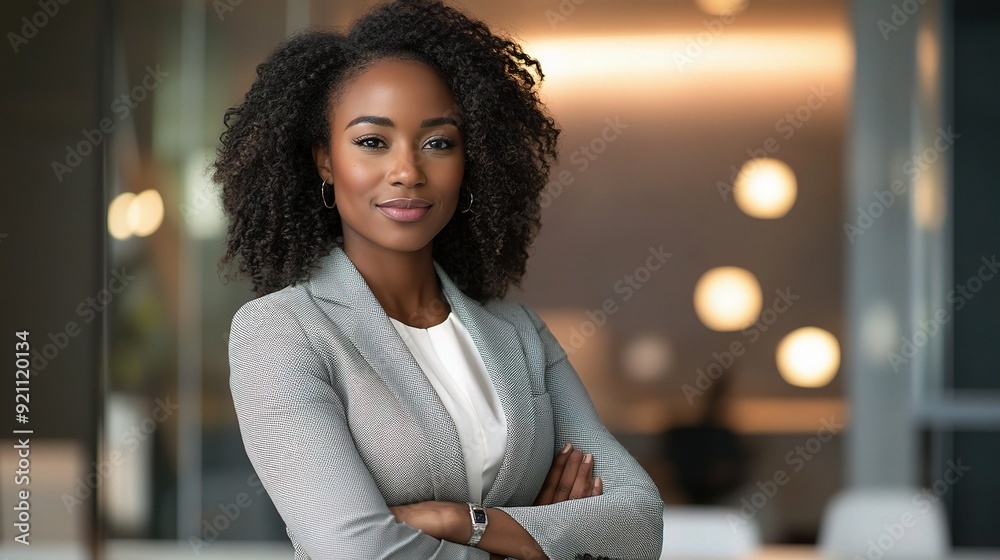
(404, 283)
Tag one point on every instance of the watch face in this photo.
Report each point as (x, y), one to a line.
(480, 516)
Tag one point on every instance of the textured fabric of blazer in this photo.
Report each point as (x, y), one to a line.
(340, 423)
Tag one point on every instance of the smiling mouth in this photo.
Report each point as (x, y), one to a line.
(405, 203)
(404, 214)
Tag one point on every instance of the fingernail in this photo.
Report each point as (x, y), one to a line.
(566, 448)
(598, 482)
(588, 458)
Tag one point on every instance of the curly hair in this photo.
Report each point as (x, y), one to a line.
(278, 226)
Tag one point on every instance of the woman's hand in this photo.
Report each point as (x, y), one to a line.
(438, 519)
(569, 478)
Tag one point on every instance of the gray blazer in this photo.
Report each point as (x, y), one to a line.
(339, 422)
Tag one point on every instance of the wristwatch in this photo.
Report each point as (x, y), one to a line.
(479, 522)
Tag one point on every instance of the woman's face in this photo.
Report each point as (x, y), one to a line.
(394, 141)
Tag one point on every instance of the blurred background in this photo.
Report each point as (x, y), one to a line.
(768, 248)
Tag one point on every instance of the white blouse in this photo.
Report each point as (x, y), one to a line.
(449, 358)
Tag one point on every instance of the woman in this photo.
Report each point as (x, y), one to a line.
(382, 188)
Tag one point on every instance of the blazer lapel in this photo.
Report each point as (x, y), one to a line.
(369, 328)
(500, 348)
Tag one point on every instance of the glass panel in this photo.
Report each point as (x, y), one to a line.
(976, 293)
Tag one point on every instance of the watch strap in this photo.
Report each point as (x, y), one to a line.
(479, 521)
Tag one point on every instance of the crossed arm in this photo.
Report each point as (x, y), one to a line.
(569, 478)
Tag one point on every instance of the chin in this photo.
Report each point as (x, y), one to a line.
(409, 244)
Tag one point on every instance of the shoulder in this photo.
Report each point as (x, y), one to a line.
(535, 333)
(274, 336)
(284, 303)
(514, 312)
(511, 310)
(287, 313)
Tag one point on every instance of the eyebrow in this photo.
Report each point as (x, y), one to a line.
(385, 121)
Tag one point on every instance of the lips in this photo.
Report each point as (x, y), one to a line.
(404, 203)
(404, 209)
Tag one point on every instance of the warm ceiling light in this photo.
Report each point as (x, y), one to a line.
(727, 298)
(598, 59)
(118, 221)
(765, 188)
(722, 7)
(808, 357)
(145, 213)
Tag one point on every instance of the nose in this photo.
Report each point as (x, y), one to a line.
(405, 170)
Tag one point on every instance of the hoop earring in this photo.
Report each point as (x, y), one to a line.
(322, 193)
(471, 199)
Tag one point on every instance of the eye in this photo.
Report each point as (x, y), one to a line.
(439, 143)
(369, 142)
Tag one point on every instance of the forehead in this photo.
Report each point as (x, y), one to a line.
(395, 87)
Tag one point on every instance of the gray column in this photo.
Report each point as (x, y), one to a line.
(887, 253)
